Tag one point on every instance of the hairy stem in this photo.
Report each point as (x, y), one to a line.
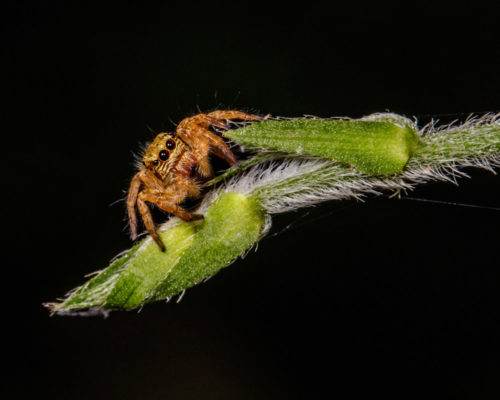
(347, 159)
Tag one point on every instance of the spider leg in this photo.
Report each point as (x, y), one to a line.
(211, 144)
(215, 118)
(133, 191)
(201, 150)
(193, 190)
(218, 146)
(141, 179)
(194, 132)
(168, 201)
(220, 149)
(205, 168)
(229, 114)
(202, 120)
(166, 205)
(148, 219)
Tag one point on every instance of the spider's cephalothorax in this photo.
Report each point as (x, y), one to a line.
(171, 163)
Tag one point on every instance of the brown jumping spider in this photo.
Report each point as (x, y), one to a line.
(167, 174)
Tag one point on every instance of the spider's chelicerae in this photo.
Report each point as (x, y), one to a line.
(171, 163)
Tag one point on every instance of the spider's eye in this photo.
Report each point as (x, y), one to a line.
(155, 162)
(163, 155)
(170, 144)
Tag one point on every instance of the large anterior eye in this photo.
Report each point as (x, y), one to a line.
(170, 144)
(163, 155)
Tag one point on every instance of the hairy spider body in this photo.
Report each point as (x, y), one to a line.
(171, 165)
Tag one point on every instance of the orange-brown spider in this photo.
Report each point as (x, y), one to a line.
(167, 173)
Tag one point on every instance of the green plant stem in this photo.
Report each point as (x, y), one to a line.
(278, 180)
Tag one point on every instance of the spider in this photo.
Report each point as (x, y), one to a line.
(171, 163)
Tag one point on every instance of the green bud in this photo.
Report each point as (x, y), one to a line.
(195, 251)
(372, 147)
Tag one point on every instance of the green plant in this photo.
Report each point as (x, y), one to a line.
(298, 163)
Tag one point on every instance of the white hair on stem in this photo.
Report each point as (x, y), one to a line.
(283, 182)
(287, 183)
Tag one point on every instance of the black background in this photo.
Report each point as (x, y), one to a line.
(388, 297)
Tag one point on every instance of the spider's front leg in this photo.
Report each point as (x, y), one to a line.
(232, 114)
(194, 129)
(133, 192)
(167, 200)
(147, 218)
(143, 178)
(194, 132)
(208, 142)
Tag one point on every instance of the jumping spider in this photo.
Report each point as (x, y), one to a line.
(170, 164)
